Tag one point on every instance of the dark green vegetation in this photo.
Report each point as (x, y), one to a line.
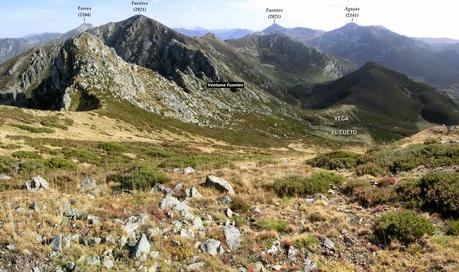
(388, 103)
(335, 160)
(390, 159)
(404, 226)
(453, 227)
(435, 192)
(142, 177)
(25, 164)
(318, 182)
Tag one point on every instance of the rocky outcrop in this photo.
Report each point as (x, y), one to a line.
(147, 43)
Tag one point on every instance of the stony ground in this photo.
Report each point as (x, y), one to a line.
(188, 225)
(220, 215)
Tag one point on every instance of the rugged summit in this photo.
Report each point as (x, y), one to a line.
(147, 43)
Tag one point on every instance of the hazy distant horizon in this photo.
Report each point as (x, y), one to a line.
(433, 19)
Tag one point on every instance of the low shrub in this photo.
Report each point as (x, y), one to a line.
(54, 123)
(142, 178)
(335, 160)
(453, 227)
(57, 163)
(275, 224)
(386, 181)
(82, 155)
(409, 193)
(112, 147)
(370, 169)
(408, 158)
(372, 196)
(25, 155)
(440, 193)
(350, 186)
(405, 227)
(435, 192)
(31, 167)
(308, 242)
(318, 182)
(34, 129)
(240, 205)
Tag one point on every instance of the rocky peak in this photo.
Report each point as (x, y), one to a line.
(145, 42)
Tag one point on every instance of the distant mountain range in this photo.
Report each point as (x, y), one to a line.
(302, 34)
(11, 47)
(222, 34)
(431, 60)
(146, 64)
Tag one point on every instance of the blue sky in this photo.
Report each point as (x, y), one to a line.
(418, 18)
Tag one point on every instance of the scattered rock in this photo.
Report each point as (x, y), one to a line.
(275, 248)
(210, 247)
(5, 177)
(258, 267)
(93, 220)
(70, 212)
(186, 233)
(193, 192)
(70, 266)
(11, 247)
(255, 210)
(309, 265)
(328, 244)
(195, 266)
(36, 184)
(92, 260)
(226, 200)
(134, 222)
(88, 184)
(108, 262)
(60, 242)
(292, 253)
(161, 188)
(229, 212)
(348, 240)
(219, 184)
(170, 202)
(189, 171)
(232, 236)
(197, 223)
(142, 248)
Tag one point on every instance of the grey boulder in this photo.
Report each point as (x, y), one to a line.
(36, 184)
(219, 184)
